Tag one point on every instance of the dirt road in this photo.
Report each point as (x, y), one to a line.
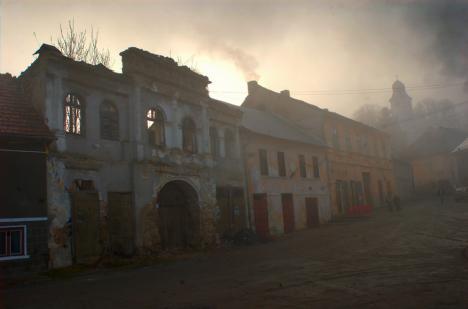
(411, 259)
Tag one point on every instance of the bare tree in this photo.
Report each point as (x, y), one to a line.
(369, 114)
(81, 45)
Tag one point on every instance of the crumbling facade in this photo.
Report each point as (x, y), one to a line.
(133, 168)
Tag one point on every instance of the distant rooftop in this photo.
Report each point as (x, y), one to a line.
(265, 123)
(17, 115)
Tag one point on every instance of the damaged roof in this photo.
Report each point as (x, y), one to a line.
(268, 124)
(17, 115)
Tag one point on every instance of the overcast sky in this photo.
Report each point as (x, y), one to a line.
(316, 49)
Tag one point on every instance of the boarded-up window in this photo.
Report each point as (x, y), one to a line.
(262, 155)
(281, 164)
(155, 126)
(315, 163)
(229, 144)
(214, 145)
(189, 136)
(302, 166)
(109, 121)
(73, 114)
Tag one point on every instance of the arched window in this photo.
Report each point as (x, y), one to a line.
(229, 144)
(109, 121)
(189, 136)
(155, 126)
(73, 118)
(214, 145)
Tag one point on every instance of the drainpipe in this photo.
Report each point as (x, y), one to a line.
(244, 178)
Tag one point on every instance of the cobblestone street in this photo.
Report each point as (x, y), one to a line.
(411, 259)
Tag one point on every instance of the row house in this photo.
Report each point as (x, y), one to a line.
(23, 213)
(359, 168)
(143, 160)
(286, 174)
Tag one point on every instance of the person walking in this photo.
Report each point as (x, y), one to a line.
(441, 193)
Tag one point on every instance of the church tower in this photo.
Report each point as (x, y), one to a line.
(400, 102)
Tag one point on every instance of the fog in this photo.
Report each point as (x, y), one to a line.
(320, 50)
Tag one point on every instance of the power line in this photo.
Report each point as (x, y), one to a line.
(354, 91)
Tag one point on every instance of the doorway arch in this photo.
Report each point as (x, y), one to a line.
(179, 215)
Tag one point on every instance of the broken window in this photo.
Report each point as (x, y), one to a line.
(315, 163)
(281, 164)
(73, 114)
(229, 144)
(155, 127)
(189, 136)
(109, 121)
(262, 155)
(302, 166)
(214, 145)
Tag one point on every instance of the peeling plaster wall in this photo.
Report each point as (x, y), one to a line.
(59, 212)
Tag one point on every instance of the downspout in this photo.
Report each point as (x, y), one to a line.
(244, 176)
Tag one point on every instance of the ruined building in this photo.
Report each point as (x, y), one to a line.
(142, 161)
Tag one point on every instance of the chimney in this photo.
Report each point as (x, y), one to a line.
(252, 86)
(285, 93)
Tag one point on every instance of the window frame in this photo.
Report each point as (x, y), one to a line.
(112, 121)
(67, 116)
(281, 163)
(302, 166)
(316, 166)
(214, 142)
(193, 130)
(263, 162)
(229, 150)
(159, 117)
(23, 242)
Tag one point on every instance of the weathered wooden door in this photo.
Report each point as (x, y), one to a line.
(260, 207)
(85, 227)
(312, 212)
(288, 212)
(121, 223)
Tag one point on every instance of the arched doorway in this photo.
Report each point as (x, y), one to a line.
(179, 215)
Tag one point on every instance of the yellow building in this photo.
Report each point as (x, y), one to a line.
(359, 167)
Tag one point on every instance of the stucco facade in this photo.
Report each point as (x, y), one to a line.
(358, 156)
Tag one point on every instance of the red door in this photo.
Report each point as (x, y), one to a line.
(288, 212)
(260, 207)
(312, 211)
